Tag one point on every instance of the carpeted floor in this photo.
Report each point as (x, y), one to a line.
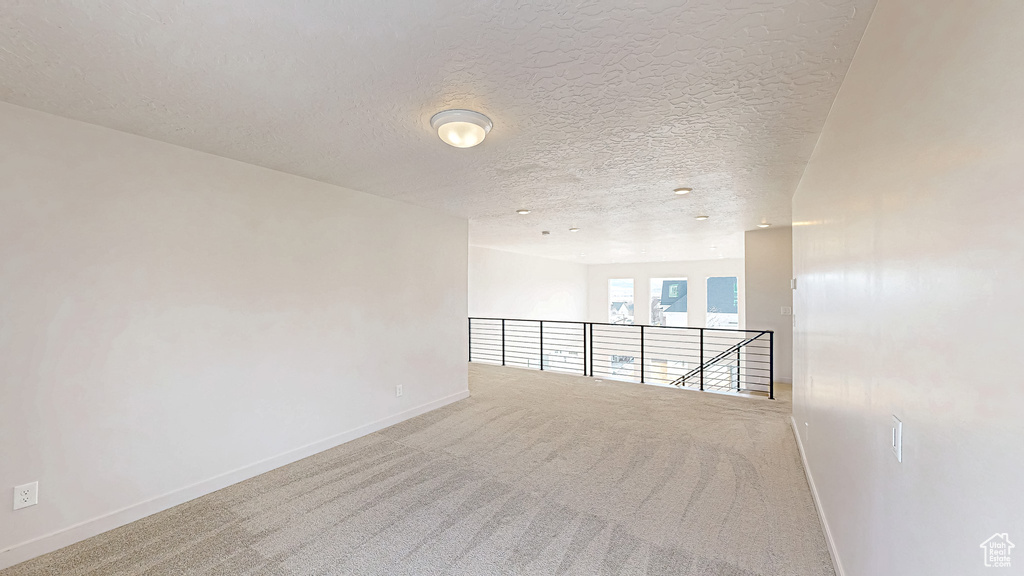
(536, 473)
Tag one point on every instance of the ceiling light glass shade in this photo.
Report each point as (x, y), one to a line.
(682, 191)
(522, 212)
(763, 225)
(701, 217)
(461, 128)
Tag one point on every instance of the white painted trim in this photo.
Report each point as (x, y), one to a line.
(836, 564)
(89, 528)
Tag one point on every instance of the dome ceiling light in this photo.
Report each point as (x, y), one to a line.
(681, 191)
(461, 128)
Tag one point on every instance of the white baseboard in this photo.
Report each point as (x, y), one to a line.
(78, 532)
(836, 564)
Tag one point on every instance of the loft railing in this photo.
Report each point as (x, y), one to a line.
(720, 359)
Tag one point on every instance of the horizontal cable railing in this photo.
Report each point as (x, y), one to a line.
(721, 359)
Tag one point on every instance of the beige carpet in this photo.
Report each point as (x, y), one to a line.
(536, 473)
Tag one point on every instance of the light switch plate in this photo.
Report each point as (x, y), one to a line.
(792, 283)
(897, 438)
(787, 310)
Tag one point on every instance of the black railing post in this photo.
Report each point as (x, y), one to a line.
(502, 341)
(584, 326)
(542, 345)
(771, 365)
(702, 359)
(641, 353)
(591, 349)
(470, 339)
(738, 367)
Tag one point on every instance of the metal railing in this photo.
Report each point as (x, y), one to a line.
(721, 359)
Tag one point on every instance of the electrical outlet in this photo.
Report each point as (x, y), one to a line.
(897, 438)
(398, 390)
(26, 495)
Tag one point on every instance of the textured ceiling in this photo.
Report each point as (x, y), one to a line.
(600, 109)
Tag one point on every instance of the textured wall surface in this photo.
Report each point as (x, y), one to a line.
(909, 254)
(600, 109)
(172, 322)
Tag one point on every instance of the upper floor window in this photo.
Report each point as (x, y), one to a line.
(620, 297)
(723, 302)
(668, 302)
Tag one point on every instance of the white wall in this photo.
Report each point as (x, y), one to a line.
(695, 271)
(909, 254)
(768, 268)
(508, 285)
(172, 322)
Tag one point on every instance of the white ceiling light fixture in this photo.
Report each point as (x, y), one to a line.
(574, 229)
(763, 225)
(701, 217)
(682, 191)
(522, 212)
(461, 128)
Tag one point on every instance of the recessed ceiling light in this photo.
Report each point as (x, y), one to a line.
(682, 191)
(461, 128)
(702, 217)
(523, 212)
(574, 229)
(763, 225)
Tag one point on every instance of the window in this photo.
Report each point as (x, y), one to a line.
(668, 302)
(723, 302)
(620, 295)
